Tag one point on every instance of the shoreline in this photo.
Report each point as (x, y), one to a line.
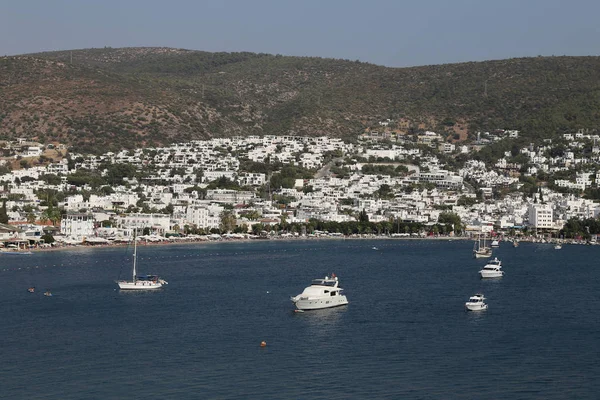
(89, 246)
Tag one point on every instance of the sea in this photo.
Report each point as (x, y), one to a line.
(405, 333)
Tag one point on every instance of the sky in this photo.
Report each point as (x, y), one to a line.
(394, 33)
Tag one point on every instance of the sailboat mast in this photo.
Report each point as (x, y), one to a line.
(134, 254)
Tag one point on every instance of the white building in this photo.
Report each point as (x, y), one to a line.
(78, 226)
(210, 176)
(158, 223)
(204, 216)
(540, 216)
(230, 196)
(252, 179)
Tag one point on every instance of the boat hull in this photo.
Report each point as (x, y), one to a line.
(492, 274)
(139, 285)
(482, 255)
(320, 303)
(476, 307)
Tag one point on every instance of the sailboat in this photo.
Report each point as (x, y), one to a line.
(481, 251)
(142, 282)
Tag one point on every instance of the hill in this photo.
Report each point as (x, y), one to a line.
(99, 99)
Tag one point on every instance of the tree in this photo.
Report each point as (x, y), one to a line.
(3, 214)
(283, 221)
(252, 215)
(52, 214)
(228, 221)
(115, 173)
(241, 229)
(257, 228)
(48, 238)
(168, 209)
(51, 179)
(106, 190)
(363, 216)
(201, 191)
(385, 192)
(451, 221)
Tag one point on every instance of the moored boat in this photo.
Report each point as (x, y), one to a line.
(480, 250)
(322, 293)
(492, 269)
(476, 303)
(142, 282)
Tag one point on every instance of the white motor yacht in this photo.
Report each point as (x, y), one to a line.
(322, 293)
(492, 269)
(476, 303)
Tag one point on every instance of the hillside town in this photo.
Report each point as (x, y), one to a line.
(289, 186)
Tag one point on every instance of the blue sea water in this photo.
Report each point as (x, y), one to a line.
(404, 335)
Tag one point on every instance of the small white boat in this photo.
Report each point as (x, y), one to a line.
(495, 243)
(322, 293)
(492, 269)
(516, 243)
(476, 303)
(145, 282)
(557, 246)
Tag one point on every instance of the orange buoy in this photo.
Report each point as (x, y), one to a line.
(263, 344)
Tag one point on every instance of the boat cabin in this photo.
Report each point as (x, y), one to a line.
(478, 298)
(324, 282)
(492, 268)
(313, 291)
(153, 278)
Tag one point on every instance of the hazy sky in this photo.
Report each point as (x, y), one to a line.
(386, 32)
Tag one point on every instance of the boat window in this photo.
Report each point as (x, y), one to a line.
(326, 291)
(334, 293)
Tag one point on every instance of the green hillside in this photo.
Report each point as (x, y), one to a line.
(99, 99)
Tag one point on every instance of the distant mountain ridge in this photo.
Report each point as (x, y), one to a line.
(100, 99)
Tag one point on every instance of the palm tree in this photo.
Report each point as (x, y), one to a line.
(52, 214)
(30, 218)
(283, 221)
